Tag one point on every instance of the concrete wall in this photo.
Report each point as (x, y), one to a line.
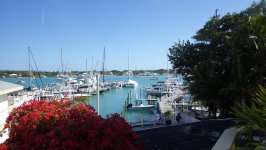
(3, 110)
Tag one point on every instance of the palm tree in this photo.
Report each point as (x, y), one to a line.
(252, 119)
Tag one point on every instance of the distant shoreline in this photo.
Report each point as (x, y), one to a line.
(24, 73)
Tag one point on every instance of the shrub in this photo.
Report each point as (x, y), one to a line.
(65, 125)
(252, 119)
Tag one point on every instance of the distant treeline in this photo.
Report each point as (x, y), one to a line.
(10, 73)
(23, 73)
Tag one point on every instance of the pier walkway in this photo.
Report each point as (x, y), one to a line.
(165, 102)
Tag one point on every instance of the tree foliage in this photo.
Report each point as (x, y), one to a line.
(63, 125)
(227, 60)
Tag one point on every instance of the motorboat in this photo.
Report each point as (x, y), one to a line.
(20, 81)
(116, 85)
(169, 86)
(139, 104)
(154, 78)
(130, 83)
(142, 106)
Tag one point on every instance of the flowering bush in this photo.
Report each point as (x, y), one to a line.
(62, 125)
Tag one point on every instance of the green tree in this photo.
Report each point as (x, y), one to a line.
(227, 60)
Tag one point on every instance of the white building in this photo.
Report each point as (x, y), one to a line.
(8, 100)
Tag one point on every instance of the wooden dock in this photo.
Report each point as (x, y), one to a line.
(166, 104)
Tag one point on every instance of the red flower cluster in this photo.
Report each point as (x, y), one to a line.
(63, 125)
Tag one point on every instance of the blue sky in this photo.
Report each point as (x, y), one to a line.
(83, 27)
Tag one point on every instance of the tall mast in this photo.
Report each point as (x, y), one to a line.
(62, 67)
(87, 66)
(167, 64)
(96, 70)
(128, 63)
(104, 65)
(98, 94)
(29, 67)
(66, 72)
(92, 65)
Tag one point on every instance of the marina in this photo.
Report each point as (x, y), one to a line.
(144, 103)
(110, 101)
(133, 75)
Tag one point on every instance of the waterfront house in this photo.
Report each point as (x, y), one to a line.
(7, 103)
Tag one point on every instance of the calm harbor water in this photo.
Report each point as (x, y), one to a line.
(111, 101)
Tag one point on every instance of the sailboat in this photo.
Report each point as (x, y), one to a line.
(130, 82)
(104, 86)
(31, 86)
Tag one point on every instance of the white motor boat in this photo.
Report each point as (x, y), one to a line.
(130, 83)
(139, 105)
